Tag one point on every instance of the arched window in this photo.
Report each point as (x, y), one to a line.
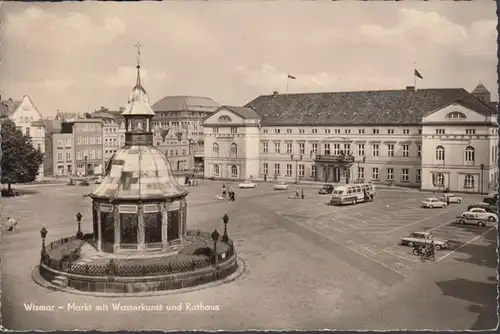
(470, 154)
(456, 115)
(233, 150)
(440, 153)
(438, 179)
(469, 181)
(224, 119)
(215, 150)
(234, 170)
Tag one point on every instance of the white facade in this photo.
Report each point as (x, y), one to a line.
(30, 121)
(239, 148)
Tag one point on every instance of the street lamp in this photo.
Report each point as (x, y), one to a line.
(86, 166)
(79, 233)
(296, 166)
(225, 220)
(43, 234)
(482, 178)
(215, 238)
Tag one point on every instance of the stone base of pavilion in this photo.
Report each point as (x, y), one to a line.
(72, 264)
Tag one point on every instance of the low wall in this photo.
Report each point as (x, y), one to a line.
(120, 284)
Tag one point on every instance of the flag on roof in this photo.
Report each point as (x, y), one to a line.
(291, 77)
(418, 75)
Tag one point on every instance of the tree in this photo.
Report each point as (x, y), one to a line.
(20, 160)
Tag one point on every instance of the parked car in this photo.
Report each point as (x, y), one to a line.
(281, 186)
(432, 203)
(486, 206)
(423, 239)
(247, 184)
(470, 220)
(452, 198)
(491, 199)
(326, 189)
(481, 214)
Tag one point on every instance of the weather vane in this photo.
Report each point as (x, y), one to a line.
(138, 46)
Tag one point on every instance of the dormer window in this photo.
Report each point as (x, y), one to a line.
(456, 115)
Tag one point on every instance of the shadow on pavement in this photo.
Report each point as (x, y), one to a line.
(481, 295)
(481, 255)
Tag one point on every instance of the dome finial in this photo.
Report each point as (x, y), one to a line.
(138, 46)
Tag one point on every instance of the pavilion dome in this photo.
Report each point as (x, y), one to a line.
(139, 173)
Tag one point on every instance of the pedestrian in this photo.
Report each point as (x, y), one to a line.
(231, 196)
(265, 177)
(302, 193)
(11, 223)
(448, 200)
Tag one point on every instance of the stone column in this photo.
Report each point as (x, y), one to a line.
(140, 229)
(182, 220)
(116, 225)
(99, 228)
(164, 222)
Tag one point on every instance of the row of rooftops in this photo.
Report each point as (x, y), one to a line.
(358, 107)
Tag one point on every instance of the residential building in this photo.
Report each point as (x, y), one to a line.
(111, 132)
(88, 145)
(432, 139)
(63, 154)
(52, 126)
(177, 148)
(29, 120)
(182, 116)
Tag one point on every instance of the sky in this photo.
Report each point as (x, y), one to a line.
(77, 57)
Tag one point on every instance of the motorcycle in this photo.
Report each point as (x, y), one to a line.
(424, 253)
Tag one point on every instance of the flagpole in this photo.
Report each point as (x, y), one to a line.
(287, 78)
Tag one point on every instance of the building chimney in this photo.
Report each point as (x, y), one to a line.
(275, 92)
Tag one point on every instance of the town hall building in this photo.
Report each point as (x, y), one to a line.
(433, 139)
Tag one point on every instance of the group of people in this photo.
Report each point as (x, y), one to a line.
(11, 224)
(228, 193)
(299, 194)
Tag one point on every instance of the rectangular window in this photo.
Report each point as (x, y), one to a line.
(265, 169)
(390, 150)
(68, 142)
(59, 144)
(347, 131)
(336, 149)
(419, 131)
(99, 154)
(314, 130)
(390, 131)
(419, 150)
(234, 130)
(390, 174)
(301, 170)
(288, 130)
(60, 157)
(361, 149)
(336, 131)
(288, 170)
(79, 155)
(327, 130)
(313, 171)
(265, 147)
(406, 131)
(302, 148)
(215, 130)
(68, 156)
(406, 150)
(376, 131)
(347, 148)
(265, 131)
(276, 169)
(470, 131)
(440, 131)
(277, 147)
(405, 175)
(375, 173)
(418, 176)
(302, 131)
(326, 148)
(78, 140)
(361, 173)
(289, 148)
(276, 131)
(361, 131)
(375, 150)
(314, 148)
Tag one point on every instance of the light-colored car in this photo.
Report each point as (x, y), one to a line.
(422, 239)
(247, 184)
(281, 186)
(480, 213)
(432, 203)
(452, 198)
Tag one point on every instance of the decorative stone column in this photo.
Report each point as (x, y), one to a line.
(182, 221)
(99, 228)
(164, 226)
(140, 228)
(116, 214)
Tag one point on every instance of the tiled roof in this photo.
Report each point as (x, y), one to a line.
(139, 173)
(363, 107)
(7, 107)
(243, 112)
(52, 125)
(185, 103)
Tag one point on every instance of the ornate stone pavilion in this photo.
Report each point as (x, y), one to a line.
(139, 207)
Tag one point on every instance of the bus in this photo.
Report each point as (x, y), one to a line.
(353, 194)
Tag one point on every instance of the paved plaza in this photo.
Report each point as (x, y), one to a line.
(309, 265)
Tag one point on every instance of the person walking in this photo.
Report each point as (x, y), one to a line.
(302, 193)
(11, 224)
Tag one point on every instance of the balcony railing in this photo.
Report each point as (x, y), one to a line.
(335, 158)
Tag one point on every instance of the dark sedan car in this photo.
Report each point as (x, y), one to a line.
(326, 189)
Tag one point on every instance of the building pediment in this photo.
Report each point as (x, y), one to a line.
(454, 113)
